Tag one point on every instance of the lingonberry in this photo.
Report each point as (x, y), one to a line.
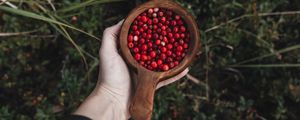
(130, 45)
(154, 64)
(137, 56)
(157, 42)
(153, 54)
(165, 67)
(136, 50)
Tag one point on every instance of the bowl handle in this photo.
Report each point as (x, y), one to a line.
(142, 103)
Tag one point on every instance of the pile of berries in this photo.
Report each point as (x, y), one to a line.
(158, 39)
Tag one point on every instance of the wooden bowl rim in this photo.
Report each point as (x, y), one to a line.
(194, 45)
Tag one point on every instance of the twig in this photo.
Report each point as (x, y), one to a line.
(195, 80)
(197, 97)
(250, 15)
(8, 3)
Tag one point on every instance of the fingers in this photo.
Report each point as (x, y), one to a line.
(109, 39)
(173, 79)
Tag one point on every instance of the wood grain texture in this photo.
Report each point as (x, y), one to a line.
(142, 103)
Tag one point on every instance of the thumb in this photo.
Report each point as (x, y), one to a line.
(173, 79)
(109, 39)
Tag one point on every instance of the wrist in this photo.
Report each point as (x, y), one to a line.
(101, 104)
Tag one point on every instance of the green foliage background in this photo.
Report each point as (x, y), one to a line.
(248, 67)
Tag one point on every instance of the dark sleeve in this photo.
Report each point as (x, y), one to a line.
(76, 117)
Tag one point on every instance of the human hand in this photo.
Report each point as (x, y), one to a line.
(114, 83)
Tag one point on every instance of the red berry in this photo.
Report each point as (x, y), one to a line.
(163, 49)
(164, 32)
(149, 22)
(144, 35)
(167, 22)
(155, 36)
(165, 67)
(144, 47)
(145, 27)
(182, 29)
(157, 42)
(154, 64)
(182, 35)
(179, 48)
(160, 24)
(170, 35)
(158, 30)
(144, 57)
(169, 46)
(154, 27)
(141, 29)
(177, 17)
(173, 23)
(152, 54)
(172, 40)
(159, 62)
(156, 9)
(163, 27)
(180, 22)
(150, 45)
(177, 35)
(169, 13)
(169, 53)
(140, 23)
(163, 56)
(178, 53)
(149, 31)
(163, 19)
(185, 46)
(136, 50)
(171, 65)
(144, 19)
(175, 29)
(148, 36)
(134, 27)
(155, 20)
(154, 15)
(150, 11)
(137, 56)
(130, 45)
(142, 40)
(160, 14)
(181, 42)
(137, 33)
(176, 63)
(165, 39)
(130, 38)
(169, 30)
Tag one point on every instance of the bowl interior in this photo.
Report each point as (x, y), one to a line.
(191, 25)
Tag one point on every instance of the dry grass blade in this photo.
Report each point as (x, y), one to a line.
(195, 80)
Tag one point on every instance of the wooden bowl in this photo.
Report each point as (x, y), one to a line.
(147, 80)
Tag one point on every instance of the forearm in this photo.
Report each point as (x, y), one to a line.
(101, 105)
